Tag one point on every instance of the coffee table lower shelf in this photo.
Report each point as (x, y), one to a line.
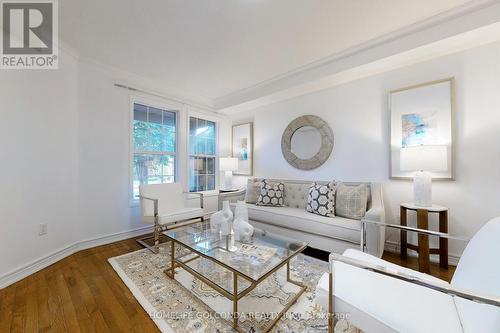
(233, 296)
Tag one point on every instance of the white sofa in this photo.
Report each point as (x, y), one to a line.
(332, 234)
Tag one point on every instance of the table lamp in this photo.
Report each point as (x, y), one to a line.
(423, 159)
(228, 165)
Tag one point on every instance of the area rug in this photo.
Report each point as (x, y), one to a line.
(188, 305)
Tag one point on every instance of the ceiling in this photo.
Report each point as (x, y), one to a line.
(212, 48)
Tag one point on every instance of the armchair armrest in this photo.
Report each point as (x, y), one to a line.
(200, 195)
(376, 213)
(155, 203)
(417, 230)
(371, 237)
(239, 194)
(231, 196)
(443, 288)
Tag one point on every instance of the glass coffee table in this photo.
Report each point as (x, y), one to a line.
(251, 261)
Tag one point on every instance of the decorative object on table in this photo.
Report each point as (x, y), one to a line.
(228, 165)
(423, 241)
(271, 194)
(222, 220)
(243, 230)
(351, 201)
(216, 221)
(422, 115)
(321, 199)
(242, 148)
(241, 211)
(423, 160)
(307, 142)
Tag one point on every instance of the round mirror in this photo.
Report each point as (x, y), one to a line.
(306, 142)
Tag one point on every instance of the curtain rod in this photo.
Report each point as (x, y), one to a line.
(123, 86)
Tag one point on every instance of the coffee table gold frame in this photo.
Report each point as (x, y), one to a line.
(234, 296)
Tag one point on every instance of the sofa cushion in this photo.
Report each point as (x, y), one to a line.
(351, 201)
(321, 199)
(299, 219)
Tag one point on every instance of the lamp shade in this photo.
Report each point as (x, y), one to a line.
(424, 158)
(228, 164)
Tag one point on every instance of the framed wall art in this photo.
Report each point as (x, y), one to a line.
(422, 115)
(242, 148)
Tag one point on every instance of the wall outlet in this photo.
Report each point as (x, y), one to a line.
(42, 229)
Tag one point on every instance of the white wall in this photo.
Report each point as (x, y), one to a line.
(39, 161)
(358, 114)
(104, 150)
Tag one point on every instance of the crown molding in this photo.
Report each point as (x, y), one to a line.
(470, 16)
(140, 82)
(146, 85)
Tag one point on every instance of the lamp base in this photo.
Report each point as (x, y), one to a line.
(422, 189)
(228, 181)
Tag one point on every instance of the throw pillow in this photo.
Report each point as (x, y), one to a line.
(351, 201)
(321, 199)
(271, 194)
(253, 191)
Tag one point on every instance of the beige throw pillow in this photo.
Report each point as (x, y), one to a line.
(351, 201)
(253, 191)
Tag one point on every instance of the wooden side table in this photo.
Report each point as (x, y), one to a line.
(423, 240)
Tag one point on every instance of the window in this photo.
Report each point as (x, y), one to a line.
(202, 154)
(154, 146)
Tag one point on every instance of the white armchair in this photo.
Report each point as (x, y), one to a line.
(378, 296)
(167, 206)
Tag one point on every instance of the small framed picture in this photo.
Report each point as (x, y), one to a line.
(242, 148)
(422, 115)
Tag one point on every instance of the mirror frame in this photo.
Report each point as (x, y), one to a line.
(326, 142)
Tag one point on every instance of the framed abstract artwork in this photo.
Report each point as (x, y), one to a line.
(422, 115)
(242, 148)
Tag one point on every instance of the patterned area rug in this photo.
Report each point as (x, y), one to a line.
(188, 305)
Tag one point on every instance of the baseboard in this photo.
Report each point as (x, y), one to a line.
(33, 267)
(39, 264)
(102, 240)
(392, 246)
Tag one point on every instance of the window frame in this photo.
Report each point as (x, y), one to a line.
(163, 105)
(215, 120)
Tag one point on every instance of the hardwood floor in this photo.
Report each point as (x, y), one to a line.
(411, 262)
(82, 293)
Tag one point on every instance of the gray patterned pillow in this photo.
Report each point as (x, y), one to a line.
(321, 199)
(351, 201)
(271, 194)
